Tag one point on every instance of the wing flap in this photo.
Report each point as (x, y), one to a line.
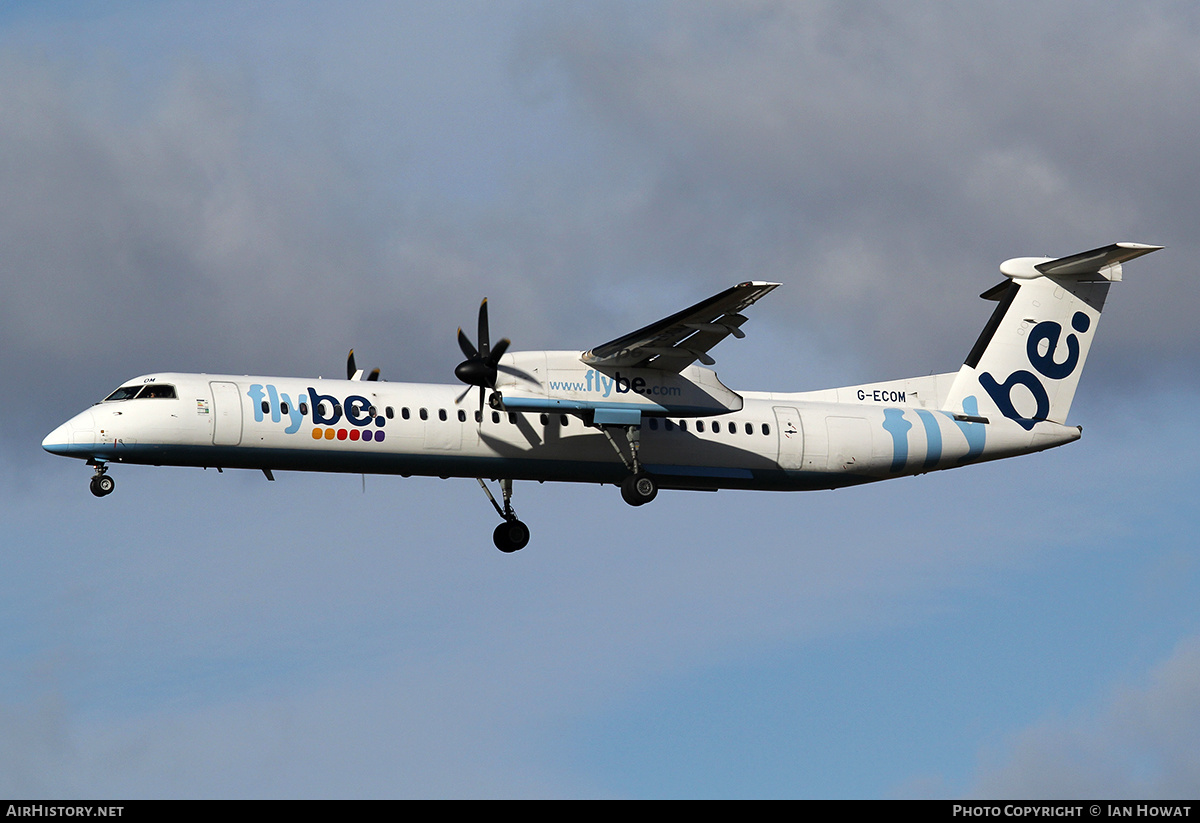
(674, 343)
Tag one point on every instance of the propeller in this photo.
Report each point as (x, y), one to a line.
(480, 367)
(352, 372)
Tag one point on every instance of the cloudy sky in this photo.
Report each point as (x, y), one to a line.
(255, 188)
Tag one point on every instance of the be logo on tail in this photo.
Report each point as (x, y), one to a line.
(1049, 332)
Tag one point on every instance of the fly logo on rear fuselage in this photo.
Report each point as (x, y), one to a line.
(326, 411)
(1047, 332)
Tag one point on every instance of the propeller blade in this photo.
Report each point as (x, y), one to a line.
(373, 376)
(465, 344)
(483, 329)
(350, 369)
(515, 372)
(459, 399)
(498, 352)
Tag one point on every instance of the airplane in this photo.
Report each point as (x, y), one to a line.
(636, 412)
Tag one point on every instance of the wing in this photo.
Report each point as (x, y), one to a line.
(674, 343)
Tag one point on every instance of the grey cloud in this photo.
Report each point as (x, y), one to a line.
(1140, 743)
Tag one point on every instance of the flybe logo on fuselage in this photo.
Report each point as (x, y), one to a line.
(1047, 332)
(597, 382)
(326, 412)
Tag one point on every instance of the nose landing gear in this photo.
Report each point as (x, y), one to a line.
(102, 485)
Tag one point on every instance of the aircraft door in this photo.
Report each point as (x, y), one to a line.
(227, 414)
(791, 438)
(443, 430)
(849, 443)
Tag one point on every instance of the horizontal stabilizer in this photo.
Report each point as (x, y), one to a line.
(1098, 264)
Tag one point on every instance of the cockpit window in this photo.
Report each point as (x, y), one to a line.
(124, 393)
(159, 390)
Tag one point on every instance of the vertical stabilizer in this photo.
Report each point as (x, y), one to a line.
(1026, 364)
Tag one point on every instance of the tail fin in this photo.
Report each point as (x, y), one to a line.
(1026, 364)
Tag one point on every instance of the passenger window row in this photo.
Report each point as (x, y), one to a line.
(717, 426)
(729, 426)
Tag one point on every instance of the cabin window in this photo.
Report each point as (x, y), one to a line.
(699, 425)
(749, 428)
(424, 414)
(654, 424)
(495, 417)
(562, 419)
(337, 409)
(442, 414)
(390, 413)
(668, 425)
(404, 412)
(545, 420)
(283, 408)
(462, 416)
(266, 407)
(478, 416)
(374, 412)
(683, 425)
(766, 429)
(303, 408)
(512, 418)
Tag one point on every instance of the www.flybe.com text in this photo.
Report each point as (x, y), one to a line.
(594, 381)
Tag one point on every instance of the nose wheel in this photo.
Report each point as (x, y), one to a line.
(102, 485)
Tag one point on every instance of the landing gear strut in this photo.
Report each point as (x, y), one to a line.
(102, 485)
(512, 535)
(638, 488)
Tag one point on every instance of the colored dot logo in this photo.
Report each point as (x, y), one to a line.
(319, 433)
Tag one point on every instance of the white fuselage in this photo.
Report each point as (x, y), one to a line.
(779, 441)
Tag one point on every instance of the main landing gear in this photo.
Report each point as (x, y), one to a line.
(102, 485)
(512, 535)
(638, 488)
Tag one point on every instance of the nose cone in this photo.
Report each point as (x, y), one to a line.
(59, 440)
(72, 437)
